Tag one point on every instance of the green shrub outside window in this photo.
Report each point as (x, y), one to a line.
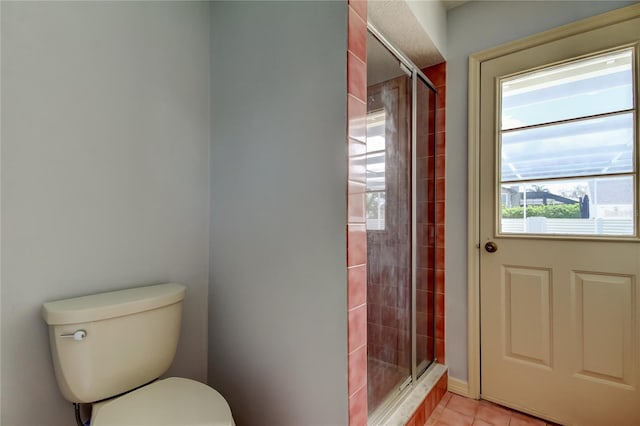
(555, 211)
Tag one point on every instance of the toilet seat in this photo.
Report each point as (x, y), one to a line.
(169, 402)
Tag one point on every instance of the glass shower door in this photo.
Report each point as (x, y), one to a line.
(388, 206)
(401, 224)
(425, 223)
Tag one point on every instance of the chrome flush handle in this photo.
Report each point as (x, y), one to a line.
(77, 335)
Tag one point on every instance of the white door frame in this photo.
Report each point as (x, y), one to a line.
(473, 226)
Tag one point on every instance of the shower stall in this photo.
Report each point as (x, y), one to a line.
(401, 223)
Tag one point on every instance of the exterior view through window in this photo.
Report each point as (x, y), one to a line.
(375, 178)
(567, 155)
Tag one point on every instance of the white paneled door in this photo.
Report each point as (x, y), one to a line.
(559, 247)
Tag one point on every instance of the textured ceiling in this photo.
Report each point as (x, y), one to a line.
(395, 20)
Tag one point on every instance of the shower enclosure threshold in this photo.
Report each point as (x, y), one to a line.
(407, 404)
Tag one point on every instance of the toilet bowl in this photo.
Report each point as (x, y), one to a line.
(109, 349)
(167, 402)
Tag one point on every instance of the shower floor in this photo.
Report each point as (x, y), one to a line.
(382, 378)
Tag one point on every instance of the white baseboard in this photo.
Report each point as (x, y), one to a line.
(459, 387)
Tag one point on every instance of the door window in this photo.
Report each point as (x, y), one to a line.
(567, 148)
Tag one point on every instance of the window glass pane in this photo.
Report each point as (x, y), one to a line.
(375, 171)
(579, 148)
(596, 206)
(375, 206)
(580, 88)
(375, 131)
(375, 151)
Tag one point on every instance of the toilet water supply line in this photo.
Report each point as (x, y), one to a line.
(76, 408)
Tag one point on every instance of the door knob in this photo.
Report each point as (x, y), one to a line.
(491, 247)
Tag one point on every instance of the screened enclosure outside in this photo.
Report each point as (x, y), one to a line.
(568, 147)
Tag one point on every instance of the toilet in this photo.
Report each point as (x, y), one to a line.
(109, 349)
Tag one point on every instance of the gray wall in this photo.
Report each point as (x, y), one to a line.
(277, 318)
(473, 27)
(105, 142)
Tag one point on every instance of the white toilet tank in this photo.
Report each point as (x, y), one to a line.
(105, 344)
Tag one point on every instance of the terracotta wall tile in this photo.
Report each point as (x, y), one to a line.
(440, 257)
(357, 334)
(440, 144)
(440, 209)
(356, 77)
(356, 245)
(357, 286)
(358, 408)
(430, 195)
(355, 187)
(421, 326)
(440, 306)
(440, 235)
(357, 115)
(439, 327)
(431, 122)
(357, 370)
(355, 207)
(440, 352)
(440, 165)
(442, 97)
(419, 416)
(422, 150)
(356, 232)
(440, 281)
(430, 404)
(360, 6)
(441, 117)
(374, 313)
(440, 190)
(357, 168)
(357, 35)
(437, 74)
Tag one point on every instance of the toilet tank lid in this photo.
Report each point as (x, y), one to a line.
(112, 304)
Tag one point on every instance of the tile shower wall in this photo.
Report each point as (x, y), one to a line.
(438, 75)
(356, 232)
(425, 224)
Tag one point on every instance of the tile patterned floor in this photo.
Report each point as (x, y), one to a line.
(455, 410)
